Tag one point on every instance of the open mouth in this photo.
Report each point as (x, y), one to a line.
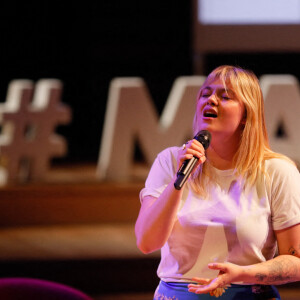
(210, 114)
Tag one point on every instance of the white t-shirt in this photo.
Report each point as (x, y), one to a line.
(232, 224)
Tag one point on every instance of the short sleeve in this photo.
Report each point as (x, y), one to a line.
(285, 193)
(161, 173)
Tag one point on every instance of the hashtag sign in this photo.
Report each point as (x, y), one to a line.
(29, 118)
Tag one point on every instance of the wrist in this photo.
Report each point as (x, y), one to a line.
(249, 275)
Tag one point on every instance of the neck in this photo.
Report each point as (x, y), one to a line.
(219, 162)
(221, 154)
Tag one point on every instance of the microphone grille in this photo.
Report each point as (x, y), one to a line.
(204, 137)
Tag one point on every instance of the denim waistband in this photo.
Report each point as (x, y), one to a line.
(179, 291)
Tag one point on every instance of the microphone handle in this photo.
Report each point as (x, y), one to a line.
(184, 172)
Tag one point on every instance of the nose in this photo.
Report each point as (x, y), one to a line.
(212, 100)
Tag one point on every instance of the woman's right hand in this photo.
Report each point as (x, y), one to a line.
(190, 149)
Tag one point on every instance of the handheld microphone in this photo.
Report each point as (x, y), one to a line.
(204, 137)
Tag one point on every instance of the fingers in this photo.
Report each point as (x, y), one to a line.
(198, 289)
(190, 149)
(215, 287)
(195, 148)
(201, 280)
(203, 288)
(228, 273)
(217, 266)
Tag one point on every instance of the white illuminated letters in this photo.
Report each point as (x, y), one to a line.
(282, 111)
(131, 116)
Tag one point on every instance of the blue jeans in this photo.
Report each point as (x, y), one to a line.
(179, 291)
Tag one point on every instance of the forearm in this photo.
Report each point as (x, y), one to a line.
(155, 222)
(280, 270)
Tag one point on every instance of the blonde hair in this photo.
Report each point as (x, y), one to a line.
(254, 146)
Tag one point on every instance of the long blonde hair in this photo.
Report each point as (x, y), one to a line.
(254, 146)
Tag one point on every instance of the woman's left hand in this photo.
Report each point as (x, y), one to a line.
(228, 273)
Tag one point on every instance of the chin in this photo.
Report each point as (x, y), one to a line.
(205, 127)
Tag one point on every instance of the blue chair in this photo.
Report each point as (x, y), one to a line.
(37, 289)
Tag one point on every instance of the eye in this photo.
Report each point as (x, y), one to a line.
(205, 95)
(225, 97)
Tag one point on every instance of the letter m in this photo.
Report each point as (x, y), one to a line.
(131, 117)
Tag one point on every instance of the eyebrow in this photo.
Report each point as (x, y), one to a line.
(221, 90)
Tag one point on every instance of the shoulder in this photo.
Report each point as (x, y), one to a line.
(282, 173)
(168, 155)
(165, 162)
(285, 192)
(277, 166)
(161, 172)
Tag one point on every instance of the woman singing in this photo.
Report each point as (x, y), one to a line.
(233, 230)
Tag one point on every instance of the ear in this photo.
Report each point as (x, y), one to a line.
(244, 119)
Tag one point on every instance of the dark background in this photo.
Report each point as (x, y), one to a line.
(86, 45)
